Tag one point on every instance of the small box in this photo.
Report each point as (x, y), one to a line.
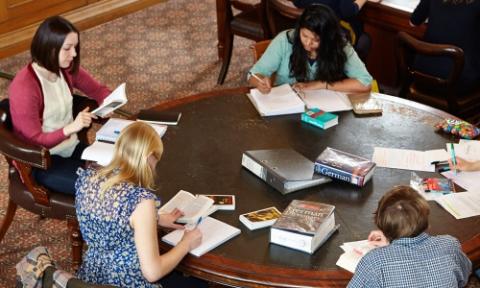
(320, 118)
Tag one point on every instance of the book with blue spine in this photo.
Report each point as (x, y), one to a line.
(320, 118)
(344, 166)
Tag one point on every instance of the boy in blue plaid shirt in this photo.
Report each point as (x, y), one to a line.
(407, 256)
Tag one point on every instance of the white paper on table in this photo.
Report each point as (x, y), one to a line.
(467, 150)
(461, 205)
(408, 159)
(467, 180)
(327, 100)
(354, 251)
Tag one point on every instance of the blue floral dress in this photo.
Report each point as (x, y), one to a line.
(111, 257)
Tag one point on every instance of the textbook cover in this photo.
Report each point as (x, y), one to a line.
(260, 218)
(320, 118)
(344, 166)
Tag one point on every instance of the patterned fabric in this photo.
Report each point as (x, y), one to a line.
(30, 269)
(422, 261)
(276, 59)
(111, 257)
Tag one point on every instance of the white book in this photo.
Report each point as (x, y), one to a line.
(193, 207)
(100, 152)
(260, 218)
(110, 131)
(115, 100)
(327, 100)
(280, 101)
(461, 205)
(214, 233)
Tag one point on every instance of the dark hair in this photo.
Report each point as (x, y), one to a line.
(331, 58)
(48, 41)
(402, 212)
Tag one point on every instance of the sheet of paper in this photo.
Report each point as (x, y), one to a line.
(469, 181)
(281, 100)
(461, 205)
(327, 100)
(468, 150)
(99, 152)
(408, 159)
(404, 5)
(354, 251)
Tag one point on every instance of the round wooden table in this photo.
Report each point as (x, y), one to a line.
(203, 156)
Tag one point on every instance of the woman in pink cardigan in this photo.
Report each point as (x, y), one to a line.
(41, 101)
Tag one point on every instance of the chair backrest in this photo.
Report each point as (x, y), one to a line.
(252, 14)
(407, 49)
(281, 15)
(259, 48)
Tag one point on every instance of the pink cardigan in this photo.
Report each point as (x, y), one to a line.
(26, 103)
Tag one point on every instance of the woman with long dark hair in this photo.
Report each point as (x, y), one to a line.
(314, 55)
(454, 22)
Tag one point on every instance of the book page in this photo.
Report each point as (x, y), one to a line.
(407, 159)
(214, 233)
(115, 100)
(468, 150)
(354, 251)
(281, 100)
(461, 205)
(99, 152)
(191, 206)
(327, 100)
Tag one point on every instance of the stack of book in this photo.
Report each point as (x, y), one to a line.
(304, 226)
(344, 166)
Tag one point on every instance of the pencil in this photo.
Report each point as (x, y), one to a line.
(256, 77)
(454, 159)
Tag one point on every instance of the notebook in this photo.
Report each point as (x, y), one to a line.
(280, 101)
(214, 233)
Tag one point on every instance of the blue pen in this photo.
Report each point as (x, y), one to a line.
(116, 131)
(199, 221)
(454, 159)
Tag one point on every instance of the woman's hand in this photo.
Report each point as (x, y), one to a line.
(262, 83)
(193, 238)
(377, 239)
(304, 86)
(464, 165)
(83, 119)
(167, 220)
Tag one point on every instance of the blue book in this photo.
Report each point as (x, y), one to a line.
(320, 118)
(344, 166)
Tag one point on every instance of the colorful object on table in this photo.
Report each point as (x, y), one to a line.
(458, 128)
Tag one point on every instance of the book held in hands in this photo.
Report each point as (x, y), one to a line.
(193, 207)
(319, 118)
(260, 218)
(280, 101)
(214, 233)
(115, 100)
(304, 225)
(284, 169)
(344, 166)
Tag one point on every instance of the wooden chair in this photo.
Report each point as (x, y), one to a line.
(259, 48)
(429, 89)
(23, 189)
(250, 23)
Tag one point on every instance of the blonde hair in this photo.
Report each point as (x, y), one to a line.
(130, 160)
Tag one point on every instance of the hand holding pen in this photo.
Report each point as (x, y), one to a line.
(263, 84)
(193, 235)
(464, 165)
(377, 239)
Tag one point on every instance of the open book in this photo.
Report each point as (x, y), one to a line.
(280, 101)
(115, 100)
(327, 100)
(193, 207)
(214, 233)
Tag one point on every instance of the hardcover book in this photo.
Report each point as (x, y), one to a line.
(344, 166)
(159, 117)
(260, 218)
(320, 118)
(304, 225)
(284, 169)
(438, 185)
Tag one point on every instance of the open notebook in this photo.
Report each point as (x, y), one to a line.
(284, 100)
(214, 233)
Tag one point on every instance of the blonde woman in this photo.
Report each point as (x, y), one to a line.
(117, 213)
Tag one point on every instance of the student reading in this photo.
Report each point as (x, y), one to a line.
(41, 101)
(407, 256)
(117, 213)
(314, 55)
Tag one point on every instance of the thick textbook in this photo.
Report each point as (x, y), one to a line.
(159, 117)
(319, 118)
(281, 100)
(304, 225)
(284, 169)
(214, 233)
(260, 218)
(344, 166)
(193, 207)
(115, 100)
(110, 131)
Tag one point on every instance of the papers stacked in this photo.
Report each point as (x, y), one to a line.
(461, 205)
(408, 159)
(354, 251)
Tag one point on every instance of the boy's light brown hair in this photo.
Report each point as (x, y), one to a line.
(402, 212)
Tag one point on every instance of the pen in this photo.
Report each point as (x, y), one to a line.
(199, 221)
(116, 131)
(454, 159)
(256, 77)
